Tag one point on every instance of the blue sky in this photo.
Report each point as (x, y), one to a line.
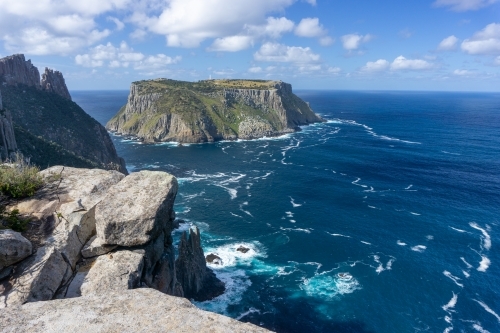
(449, 45)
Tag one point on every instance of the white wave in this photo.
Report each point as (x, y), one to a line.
(233, 192)
(292, 201)
(419, 248)
(447, 152)
(289, 214)
(192, 196)
(380, 268)
(417, 214)
(486, 237)
(236, 215)
(488, 309)
(459, 230)
(356, 183)
(370, 190)
(324, 286)
(246, 313)
(373, 207)
(231, 257)
(479, 328)
(366, 243)
(293, 221)
(451, 304)
(307, 231)
(453, 278)
(466, 263)
(484, 264)
(409, 187)
(467, 275)
(338, 235)
(401, 243)
(429, 237)
(236, 283)
(265, 176)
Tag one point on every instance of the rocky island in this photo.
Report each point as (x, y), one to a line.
(164, 110)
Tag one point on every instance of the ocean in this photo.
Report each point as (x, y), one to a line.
(399, 189)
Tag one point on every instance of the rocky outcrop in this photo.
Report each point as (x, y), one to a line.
(198, 281)
(53, 82)
(101, 232)
(207, 111)
(16, 70)
(13, 248)
(139, 310)
(75, 139)
(7, 137)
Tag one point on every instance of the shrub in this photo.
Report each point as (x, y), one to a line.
(20, 179)
(11, 220)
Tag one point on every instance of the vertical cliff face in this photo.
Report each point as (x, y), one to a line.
(53, 81)
(206, 111)
(50, 128)
(16, 70)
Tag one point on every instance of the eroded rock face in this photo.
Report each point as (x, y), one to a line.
(137, 210)
(16, 70)
(198, 281)
(94, 248)
(139, 310)
(53, 81)
(7, 136)
(13, 248)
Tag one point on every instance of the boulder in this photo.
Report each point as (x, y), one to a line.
(95, 248)
(214, 259)
(13, 248)
(137, 209)
(115, 271)
(129, 311)
(198, 282)
(36, 279)
(242, 249)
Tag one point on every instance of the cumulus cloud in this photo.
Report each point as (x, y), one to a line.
(311, 2)
(448, 44)
(352, 42)
(463, 72)
(53, 26)
(119, 24)
(282, 53)
(401, 63)
(334, 70)
(231, 44)
(375, 66)
(122, 56)
(255, 69)
(486, 41)
(274, 27)
(463, 5)
(309, 27)
(186, 23)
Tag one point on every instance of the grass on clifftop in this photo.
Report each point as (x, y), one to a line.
(19, 179)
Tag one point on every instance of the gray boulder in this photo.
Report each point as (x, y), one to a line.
(130, 311)
(13, 248)
(116, 271)
(95, 248)
(137, 209)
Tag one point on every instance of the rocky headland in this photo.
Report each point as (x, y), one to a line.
(39, 119)
(205, 111)
(94, 235)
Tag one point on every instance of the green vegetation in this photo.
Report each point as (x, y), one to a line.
(11, 220)
(19, 179)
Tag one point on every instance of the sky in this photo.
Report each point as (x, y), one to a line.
(436, 45)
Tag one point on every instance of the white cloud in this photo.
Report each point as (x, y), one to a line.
(311, 2)
(119, 24)
(122, 56)
(401, 63)
(231, 44)
(464, 5)
(186, 23)
(353, 41)
(334, 70)
(448, 44)
(283, 53)
(138, 34)
(274, 27)
(255, 69)
(53, 26)
(463, 72)
(310, 27)
(326, 41)
(375, 66)
(497, 61)
(486, 41)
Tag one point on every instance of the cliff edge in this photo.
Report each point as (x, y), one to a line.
(206, 111)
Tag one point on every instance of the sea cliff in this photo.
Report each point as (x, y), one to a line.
(190, 112)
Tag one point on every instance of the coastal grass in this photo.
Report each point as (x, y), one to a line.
(19, 179)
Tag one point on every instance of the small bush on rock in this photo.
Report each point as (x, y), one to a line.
(19, 179)
(11, 220)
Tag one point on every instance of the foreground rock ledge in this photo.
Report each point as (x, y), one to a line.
(138, 310)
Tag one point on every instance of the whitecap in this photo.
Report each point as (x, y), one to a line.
(417, 214)
(307, 231)
(409, 187)
(236, 215)
(324, 286)
(488, 309)
(366, 243)
(419, 248)
(232, 257)
(486, 237)
(246, 313)
(466, 263)
(459, 230)
(484, 264)
(338, 235)
(467, 275)
(289, 214)
(401, 243)
(477, 326)
(447, 152)
(380, 268)
(429, 237)
(453, 278)
(293, 221)
(292, 201)
(451, 304)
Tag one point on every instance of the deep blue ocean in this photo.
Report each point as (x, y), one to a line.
(399, 189)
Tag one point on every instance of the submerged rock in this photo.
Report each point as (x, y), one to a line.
(214, 259)
(242, 249)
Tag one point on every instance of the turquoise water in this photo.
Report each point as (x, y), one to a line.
(401, 190)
